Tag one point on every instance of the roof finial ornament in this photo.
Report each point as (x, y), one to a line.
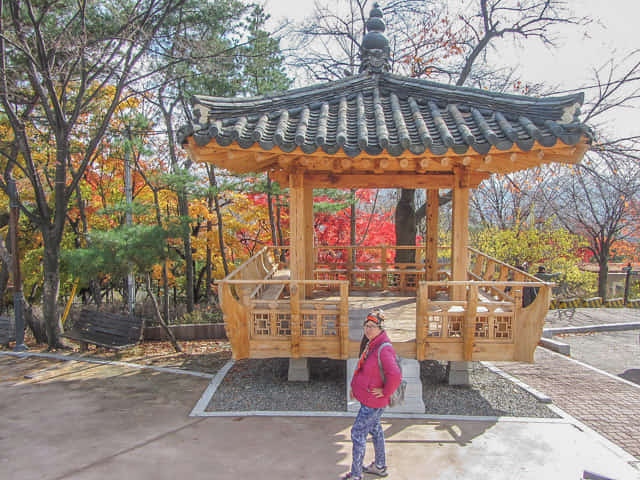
(375, 53)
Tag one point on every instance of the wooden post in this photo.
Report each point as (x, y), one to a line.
(469, 327)
(490, 271)
(460, 234)
(309, 254)
(516, 292)
(431, 242)
(421, 314)
(480, 261)
(383, 260)
(297, 262)
(350, 266)
(296, 317)
(344, 320)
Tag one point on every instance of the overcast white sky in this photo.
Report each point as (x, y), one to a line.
(614, 30)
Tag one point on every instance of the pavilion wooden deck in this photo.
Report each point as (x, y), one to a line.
(267, 314)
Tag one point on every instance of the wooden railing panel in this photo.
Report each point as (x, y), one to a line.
(488, 323)
(477, 328)
(291, 327)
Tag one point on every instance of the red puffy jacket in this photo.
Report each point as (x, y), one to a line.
(368, 376)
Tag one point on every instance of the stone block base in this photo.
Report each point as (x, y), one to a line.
(459, 373)
(298, 370)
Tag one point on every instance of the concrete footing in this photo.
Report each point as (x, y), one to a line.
(556, 346)
(298, 370)
(459, 373)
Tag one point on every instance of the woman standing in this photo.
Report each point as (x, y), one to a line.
(369, 388)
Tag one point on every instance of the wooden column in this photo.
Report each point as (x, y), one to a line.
(343, 327)
(309, 253)
(297, 262)
(421, 319)
(431, 240)
(460, 233)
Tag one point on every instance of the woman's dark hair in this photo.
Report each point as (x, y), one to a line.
(378, 319)
(363, 344)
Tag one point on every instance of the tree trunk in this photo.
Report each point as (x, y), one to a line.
(603, 276)
(4, 282)
(213, 182)
(209, 265)
(50, 289)
(36, 324)
(406, 225)
(94, 284)
(156, 309)
(183, 206)
(32, 321)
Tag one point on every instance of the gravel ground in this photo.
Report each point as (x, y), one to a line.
(489, 394)
(262, 385)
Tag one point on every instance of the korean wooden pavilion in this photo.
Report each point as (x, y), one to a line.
(380, 130)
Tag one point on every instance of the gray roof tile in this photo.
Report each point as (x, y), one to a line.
(381, 113)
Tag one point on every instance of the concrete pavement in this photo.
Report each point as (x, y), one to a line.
(73, 420)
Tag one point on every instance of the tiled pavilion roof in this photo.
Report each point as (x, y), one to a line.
(381, 113)
(378, 114)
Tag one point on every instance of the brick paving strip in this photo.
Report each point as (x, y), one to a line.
(607, 405)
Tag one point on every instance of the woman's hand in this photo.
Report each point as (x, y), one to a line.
(377, 392)
(353, 397)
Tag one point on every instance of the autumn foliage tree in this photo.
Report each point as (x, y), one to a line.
(56, 61)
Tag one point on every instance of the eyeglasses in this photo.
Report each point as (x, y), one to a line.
(371, 325)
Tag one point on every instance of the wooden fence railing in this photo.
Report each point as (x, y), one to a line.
(372, 268)
(268, 315)
(480, 327)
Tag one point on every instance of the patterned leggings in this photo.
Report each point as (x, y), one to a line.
(367, 422)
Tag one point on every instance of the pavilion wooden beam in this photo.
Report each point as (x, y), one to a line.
(460, 232)
(390, 180)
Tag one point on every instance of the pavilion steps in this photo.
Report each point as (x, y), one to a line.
(413, 402)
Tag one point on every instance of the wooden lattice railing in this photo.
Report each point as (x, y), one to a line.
(266, 316)
(488, 321)
(372, 268)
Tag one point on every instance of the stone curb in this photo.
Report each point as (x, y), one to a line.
(399, 416)
(201, 406)
(605, 327)
(556, 346)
